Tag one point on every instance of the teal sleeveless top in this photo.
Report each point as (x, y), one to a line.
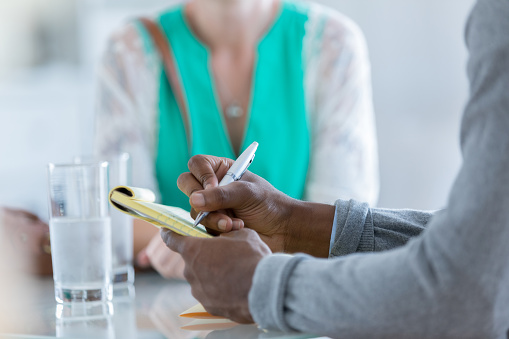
(277, 117)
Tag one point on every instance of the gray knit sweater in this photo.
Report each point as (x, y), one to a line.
(450, 280)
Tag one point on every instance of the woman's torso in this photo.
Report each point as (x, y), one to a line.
(276, 118)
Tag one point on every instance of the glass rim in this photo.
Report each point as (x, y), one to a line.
(99, 164)
(87, 158)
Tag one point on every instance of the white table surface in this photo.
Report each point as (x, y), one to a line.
(151, 314)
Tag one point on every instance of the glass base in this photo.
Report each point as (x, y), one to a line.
(66, 295)
(79, 311)
(123, 275)
(122, 292)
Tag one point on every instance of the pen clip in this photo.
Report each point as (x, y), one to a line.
(245, 169)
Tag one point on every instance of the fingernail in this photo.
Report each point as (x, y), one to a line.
(197, 200)
(163, 234)
(207, 186)
(237, 225)
(222, 224)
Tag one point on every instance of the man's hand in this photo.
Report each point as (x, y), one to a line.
(220, 270)
(283, 223)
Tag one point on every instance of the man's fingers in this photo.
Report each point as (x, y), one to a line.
(222, 223)
(220, 198)
(208, 170)
(174, 241)
(204, 170)
(219, 222)
(245, 233)
(188, 184)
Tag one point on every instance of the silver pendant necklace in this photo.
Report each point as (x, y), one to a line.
(234, 110)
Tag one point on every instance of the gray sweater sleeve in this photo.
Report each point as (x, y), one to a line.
(359, 228)
(451, 281)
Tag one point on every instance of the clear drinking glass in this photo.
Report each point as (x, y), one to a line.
(80, 231)
(121, 224)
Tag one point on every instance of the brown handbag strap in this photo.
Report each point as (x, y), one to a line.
(162, 44)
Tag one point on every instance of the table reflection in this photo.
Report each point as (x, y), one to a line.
(124, 320)
(150, 311)
(84, 320)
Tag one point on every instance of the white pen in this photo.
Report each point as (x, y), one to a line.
(235, 172)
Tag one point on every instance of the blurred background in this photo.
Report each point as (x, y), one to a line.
(49, 50)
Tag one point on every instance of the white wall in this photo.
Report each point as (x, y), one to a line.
(39, 123)
(420, 88)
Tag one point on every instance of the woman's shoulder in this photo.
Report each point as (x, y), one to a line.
(171, 15)
(323, 24)
(132, 35)
(126, 36)
(330, 34)
(333, 22)
(130, 49)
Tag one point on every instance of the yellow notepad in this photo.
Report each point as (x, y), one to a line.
(139, 203)
(198, 312)
(209, 325)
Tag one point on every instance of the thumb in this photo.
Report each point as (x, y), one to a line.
(174, 241)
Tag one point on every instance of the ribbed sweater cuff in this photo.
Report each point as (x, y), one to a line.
(367, 242)
(266, 297)
(353, 228)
